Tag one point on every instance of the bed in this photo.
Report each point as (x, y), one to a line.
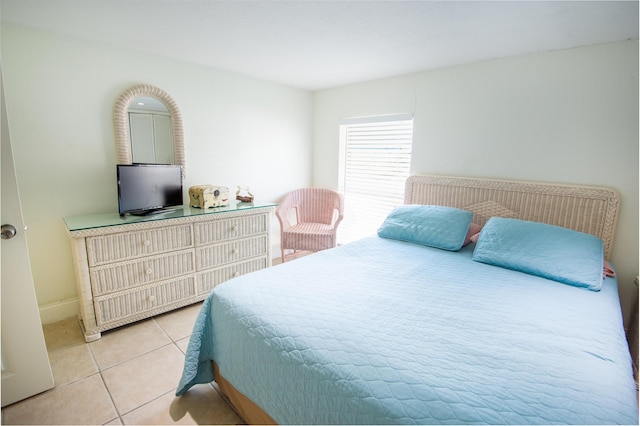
(395, 328)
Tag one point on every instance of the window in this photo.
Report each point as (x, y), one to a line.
(375, 160)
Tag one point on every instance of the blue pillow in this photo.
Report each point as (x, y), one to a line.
(435, 226)
(548, 251)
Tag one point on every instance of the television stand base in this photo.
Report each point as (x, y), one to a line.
(151, 212)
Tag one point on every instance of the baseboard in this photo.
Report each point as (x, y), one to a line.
(59, 311)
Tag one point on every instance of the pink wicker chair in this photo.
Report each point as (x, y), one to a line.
(318, 213)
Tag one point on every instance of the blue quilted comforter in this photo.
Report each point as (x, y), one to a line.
(382, 331)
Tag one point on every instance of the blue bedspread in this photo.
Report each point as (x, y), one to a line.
(381, 331)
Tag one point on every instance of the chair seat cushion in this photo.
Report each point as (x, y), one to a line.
(309, 236)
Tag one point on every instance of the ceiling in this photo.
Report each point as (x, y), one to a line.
(321, 44)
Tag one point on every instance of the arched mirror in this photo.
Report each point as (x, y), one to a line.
(148, 127)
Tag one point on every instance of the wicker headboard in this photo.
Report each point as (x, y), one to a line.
(589, 209)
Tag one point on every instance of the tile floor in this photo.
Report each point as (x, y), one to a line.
(127, 377)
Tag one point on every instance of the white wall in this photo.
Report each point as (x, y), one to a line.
(60, 94)
(565, 116)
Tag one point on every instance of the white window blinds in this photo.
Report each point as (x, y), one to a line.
(375, 161)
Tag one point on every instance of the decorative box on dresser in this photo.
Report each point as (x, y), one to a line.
(134, 267)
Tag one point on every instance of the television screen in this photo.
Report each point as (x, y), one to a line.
(148, 188)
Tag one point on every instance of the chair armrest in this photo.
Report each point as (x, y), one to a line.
(282, 213)
(337, 219)
(339, 207)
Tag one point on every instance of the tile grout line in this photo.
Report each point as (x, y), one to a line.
(104, 383)
(97, 369)
(100, 370)
(163, 330)
(146, 403)
(135, 357)
(56, 386)
(113, 403)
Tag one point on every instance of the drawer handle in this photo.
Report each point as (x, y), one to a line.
(235, 274)
(234, 251)
(149, 271)
(151, 298)
(234, 228)
(147, 243)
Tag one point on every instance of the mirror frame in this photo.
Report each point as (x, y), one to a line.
(121, 123)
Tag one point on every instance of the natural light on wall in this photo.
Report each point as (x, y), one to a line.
(375, 161)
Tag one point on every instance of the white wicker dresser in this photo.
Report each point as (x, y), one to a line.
(132, 268)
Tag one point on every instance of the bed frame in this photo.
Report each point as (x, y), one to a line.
(588, 209)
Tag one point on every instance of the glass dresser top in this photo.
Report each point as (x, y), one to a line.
(100, 220)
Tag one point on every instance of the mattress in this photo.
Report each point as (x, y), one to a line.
(381, 331)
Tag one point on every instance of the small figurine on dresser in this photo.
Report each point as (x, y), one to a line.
(206, 196)
(243, 195)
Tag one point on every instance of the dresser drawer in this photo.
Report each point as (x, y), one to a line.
(128, 245)
(122, 275)
(225, 229)
(233, 251)
(209, 279)
(117, 306)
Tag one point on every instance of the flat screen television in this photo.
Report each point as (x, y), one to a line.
(145, 189)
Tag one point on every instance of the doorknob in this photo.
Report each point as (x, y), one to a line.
(7, 232)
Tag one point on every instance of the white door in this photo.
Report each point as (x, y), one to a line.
(25, 364)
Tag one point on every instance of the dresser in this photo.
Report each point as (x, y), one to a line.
(134, 267)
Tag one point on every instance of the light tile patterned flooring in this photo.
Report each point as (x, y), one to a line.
(129, 376)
